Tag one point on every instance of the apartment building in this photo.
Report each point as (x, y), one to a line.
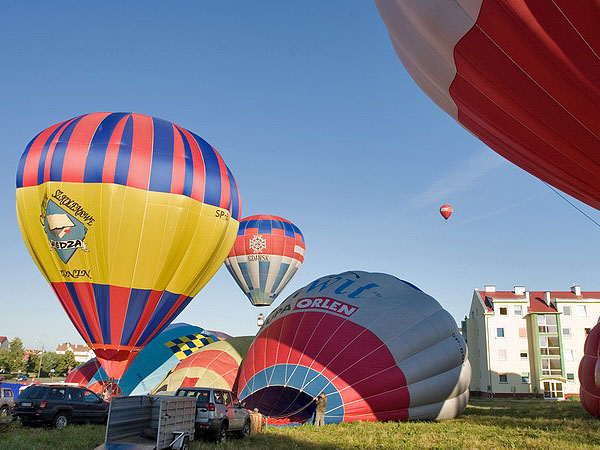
(525, 343)
(82, 353)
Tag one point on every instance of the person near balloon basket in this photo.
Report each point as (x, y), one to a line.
(321, 402)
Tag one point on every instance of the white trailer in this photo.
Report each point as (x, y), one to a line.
(150, 422)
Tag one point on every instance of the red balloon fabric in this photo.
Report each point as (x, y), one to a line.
(522, 76)
(589, 373)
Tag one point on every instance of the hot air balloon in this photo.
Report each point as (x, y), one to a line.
(446, 211)
(89, 375)
(521, 76)
(377, 346)
(162, 354)
(215, 365)
(267, 253)
(589, 373)
(127, 217)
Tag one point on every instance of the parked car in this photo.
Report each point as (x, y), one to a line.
(218, 412)
(7, 402)
(59, 405)
(21, 377)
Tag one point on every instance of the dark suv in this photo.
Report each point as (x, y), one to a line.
(218, 412)
(59, 405)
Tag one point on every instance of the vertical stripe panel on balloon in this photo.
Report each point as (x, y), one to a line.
(119, 300)
(236, 199)
(199, 170)
(139, 164)
(135, 307)
(179, 163)
(234, 268)
(94, 165)
(23, 160)
(274, 264)
(58, 155)
(124, 155)
(161, 313)
(85, 294)
(102, 297)
(225, 194)
(112, 151)
(263, 273)
(212, 184)
(162, 156)
(62, 293)
(149, 308)
(50, 142)
(45, 165)
(81, 137)
(283, 268)
(189, 164)
(81, 315)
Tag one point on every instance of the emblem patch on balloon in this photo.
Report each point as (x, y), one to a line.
(65, 232)
(258, 243)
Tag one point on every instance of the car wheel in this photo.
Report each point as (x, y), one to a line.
(4, 412)
(222, 436)
(246, 430)
(61, 420)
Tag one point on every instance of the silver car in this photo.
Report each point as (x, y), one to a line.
(218, 412)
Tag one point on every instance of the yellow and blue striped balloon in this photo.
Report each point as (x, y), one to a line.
(127, 216)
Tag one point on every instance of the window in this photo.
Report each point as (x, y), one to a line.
(581, 311)
(7, 392)
(90, 397)
(567, 310)
(523, 354)
(568, 355)
(571, 377)
(219, 397)
(523, 332)
(503, 311)
(566, 332)
(75, 395)
(547, 324)
(502, 378)
(500, 332)
(518, 310)
(549, 345)
(501, 354)
(57, 394)
(525, 377)
(551, 366)
(227, 398)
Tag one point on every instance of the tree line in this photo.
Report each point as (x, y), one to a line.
(14, 360)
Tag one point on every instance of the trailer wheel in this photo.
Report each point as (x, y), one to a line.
(4, 411)
(186, 444)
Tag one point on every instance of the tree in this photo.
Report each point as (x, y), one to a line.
(13, 359)
(49, 362)
(64, 362)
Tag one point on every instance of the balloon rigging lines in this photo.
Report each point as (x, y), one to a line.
(571, 203)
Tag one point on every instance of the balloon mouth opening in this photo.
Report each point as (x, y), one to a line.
(282, 402)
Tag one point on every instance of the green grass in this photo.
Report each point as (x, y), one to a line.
(485, 424)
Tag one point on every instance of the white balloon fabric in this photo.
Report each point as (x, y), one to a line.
(377, 346)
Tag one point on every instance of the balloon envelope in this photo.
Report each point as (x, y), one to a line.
(446, 211)
(521, 76)
(377, 346)
(215, 365)
(162, 354)
(89, 375)
(267, 253)
(127, 217)
(589, 373)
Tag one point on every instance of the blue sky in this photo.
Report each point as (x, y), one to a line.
(319, 123)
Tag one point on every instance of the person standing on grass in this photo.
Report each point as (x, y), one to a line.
(321, 402)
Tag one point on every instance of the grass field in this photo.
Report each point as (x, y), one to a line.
(485, 424)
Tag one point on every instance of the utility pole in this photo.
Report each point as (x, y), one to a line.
(41, 356)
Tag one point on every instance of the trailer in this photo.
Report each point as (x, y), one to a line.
(150, 422)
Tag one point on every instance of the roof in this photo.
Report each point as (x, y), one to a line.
(537, 303)
(3, 338)
(74, 348)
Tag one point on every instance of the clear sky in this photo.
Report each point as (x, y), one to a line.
(319, 123)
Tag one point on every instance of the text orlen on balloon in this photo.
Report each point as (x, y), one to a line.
(326, 303)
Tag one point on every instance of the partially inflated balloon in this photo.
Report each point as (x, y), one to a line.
(523, 76)
(267, 253)
(377, 346)
(89, 375)
(215, 365)
(589, 373)
(127, 216)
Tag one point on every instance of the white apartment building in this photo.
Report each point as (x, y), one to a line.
(528, 343)
(82, 353)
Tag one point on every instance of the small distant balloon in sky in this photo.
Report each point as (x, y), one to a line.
(446, 211)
